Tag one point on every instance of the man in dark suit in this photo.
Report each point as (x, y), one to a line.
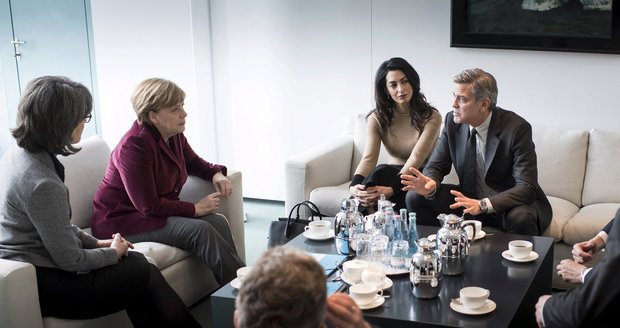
(496, 166)
(593, 304)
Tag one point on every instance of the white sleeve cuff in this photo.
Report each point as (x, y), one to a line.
(490, 208)
(584, 273)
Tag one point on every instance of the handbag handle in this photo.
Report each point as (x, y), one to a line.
(310, 205)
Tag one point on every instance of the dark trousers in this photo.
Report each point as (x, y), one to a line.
(522, 219)
(207, 236)
(133, 285)
(385, 175)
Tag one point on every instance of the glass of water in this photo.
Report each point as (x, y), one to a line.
(364, 243)
(400, 251)
(379, 249)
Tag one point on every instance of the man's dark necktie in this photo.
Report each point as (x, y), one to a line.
(469, 167)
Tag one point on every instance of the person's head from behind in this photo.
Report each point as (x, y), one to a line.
(475, 95)
(285, 288)
(51, 115)
(159, 102)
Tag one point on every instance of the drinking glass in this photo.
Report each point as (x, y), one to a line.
(364, 243)
(400, 250)
(379, 249)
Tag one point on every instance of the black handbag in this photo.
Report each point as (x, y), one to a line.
(285, 229)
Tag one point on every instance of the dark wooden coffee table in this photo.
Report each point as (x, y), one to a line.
(515, 288)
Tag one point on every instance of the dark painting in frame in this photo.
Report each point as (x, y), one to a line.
(551, 25)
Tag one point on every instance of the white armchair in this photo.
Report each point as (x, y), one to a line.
(323, 173)
(187, 274)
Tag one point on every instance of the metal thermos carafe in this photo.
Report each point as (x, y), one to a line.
(348, 223)
(425, 270)
(453, 244)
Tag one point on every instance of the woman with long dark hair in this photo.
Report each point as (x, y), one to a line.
(406, 124)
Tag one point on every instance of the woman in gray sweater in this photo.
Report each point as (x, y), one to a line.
(78, 276)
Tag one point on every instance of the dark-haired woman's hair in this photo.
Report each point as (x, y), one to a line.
(419, 109)
(48, 112)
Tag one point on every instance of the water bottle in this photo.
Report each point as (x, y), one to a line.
(404, 225)
(383, 203)
(398, 228)
(389, 227)
(413, 234)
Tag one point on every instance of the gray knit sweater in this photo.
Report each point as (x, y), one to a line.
(35, 217)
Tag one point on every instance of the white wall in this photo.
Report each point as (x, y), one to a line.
(138, 39)
(286, 72)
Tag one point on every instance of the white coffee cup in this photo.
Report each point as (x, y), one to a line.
(243, 272)
(474, 297)
(520, 249)
(373, 275)
(364, 294)
(353, 270)
(469, 230)
(318, 227)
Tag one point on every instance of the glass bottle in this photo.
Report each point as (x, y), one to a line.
(404, 224)
(389, 227)
(413, 234)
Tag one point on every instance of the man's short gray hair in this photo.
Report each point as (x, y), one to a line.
(483, 84)
(285, 288)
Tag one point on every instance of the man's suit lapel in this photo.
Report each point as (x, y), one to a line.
(493, 140)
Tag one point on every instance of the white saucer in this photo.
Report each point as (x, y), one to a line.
(348, 280)
(326, 236)
(235, 283)
(506, 254)
(379, 300)
(480, 234)
(460, 308)
(387, 283)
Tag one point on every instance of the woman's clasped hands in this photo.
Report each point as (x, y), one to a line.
(118, 243)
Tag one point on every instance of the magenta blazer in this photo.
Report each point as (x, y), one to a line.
(141, 186)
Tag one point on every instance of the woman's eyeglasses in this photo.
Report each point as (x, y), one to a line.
(87, 118)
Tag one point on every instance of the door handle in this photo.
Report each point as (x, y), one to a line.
(17, 42)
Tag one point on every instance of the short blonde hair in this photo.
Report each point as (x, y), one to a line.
(153, 94)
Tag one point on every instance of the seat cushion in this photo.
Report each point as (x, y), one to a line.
(563, 211)
(328, 199)
(561, 157)
(588, 222)
(83, 173)
(601, 180)
(163, 255)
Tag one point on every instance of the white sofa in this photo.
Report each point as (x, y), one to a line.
(187, 274)
(575, 169)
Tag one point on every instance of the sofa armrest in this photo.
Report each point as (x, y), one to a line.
(231, 207)
(327, 164)
(19, 296)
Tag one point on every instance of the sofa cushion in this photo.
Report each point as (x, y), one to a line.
(563, 211)
(561, 157)
(602, 179)
(588, 222)
(162, 254)
(324, 198)
(83, 173)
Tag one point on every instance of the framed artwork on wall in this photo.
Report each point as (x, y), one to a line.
(552, 25)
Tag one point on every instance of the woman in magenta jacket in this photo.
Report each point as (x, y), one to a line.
(139, 194)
